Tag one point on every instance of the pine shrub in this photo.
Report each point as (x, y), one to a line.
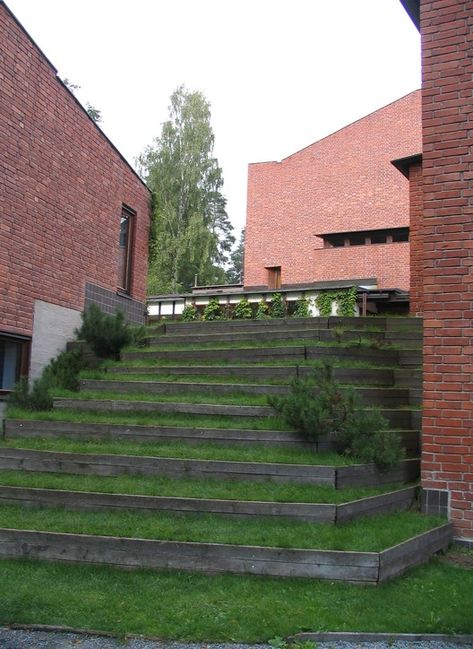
(106, 334)
(213, 310)
(243, 310)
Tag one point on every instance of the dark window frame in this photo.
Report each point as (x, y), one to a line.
(125, 269)
(23, 359)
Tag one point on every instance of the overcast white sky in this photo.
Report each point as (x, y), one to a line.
(279, 74)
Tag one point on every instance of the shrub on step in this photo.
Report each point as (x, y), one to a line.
(243, 310)
(277, 306)
(106, 334)
(213, 310)
(302, 309)
(263, 311)
(318, 406)
(190, 313)
(37, 398)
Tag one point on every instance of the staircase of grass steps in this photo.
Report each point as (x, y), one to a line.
(173, 459)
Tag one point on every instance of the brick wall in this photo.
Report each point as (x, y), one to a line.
(416, 239)
(344, 182)
(62, 186)
(447, 455)
(391, 261)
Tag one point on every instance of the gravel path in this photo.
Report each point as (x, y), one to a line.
(21, 639)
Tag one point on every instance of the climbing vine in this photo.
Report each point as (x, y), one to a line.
(345, 300)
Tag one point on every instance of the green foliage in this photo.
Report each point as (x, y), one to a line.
(36, 398)
(234, 274)
(106, 334)
(138, 336)
(191, 233)
(243, 310)
(302, 309)
(63, 371)
(281, 643)
(190, 313)
(213, 310)
(277, 306)
(318, 406)
(345, 300)
(263, 311)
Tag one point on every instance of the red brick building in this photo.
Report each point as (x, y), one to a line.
(337, 210)
(74, 216)
(443, 218)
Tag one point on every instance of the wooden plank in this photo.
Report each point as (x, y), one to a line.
(368, 475)
(84, 500)
(124, 405)
(249, 354)
(136, 433)
(206, 557)
(400, 499)
(96, 464)
(396, 560)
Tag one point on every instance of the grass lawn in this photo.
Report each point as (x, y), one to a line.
(366, 535)
(191, 488)
(151, 419)
(182, 450)
(435, 598)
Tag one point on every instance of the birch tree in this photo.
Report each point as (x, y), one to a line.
(191, 234)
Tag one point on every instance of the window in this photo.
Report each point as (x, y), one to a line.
(127, 222)
(13, 361)
(365, 237)
(274, 277)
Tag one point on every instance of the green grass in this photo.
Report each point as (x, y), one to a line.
(362, 343)
(188, 488)
(193, 607)
(165, 362)
(151, 419)
(367, 535)
(234, 399)
(181, 450)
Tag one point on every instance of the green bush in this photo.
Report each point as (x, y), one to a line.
(302, 309)
(63, 371)
(190, 313)
(318, 406)
(37, 398)
(213, 310)
(243, 310)
(106, 334)
(277, 306)
(263, 311)
(138, 336)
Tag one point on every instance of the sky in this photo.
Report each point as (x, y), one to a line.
(279, 75)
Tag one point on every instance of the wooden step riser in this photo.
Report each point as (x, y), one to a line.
(148, 434)
(313, 512)
(113, 465)
(361, 567)
(268, 336)
(389, 397)
(404, 419)
(368, 376)
(395, 325)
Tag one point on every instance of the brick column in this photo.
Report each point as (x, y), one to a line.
(416, 239)
(447, 91)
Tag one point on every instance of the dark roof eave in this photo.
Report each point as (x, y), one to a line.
(413, 9)
(404, 164)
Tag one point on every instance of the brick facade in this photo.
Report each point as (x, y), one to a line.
(447, 88)
(342, 183)
(416, 239)
(62, 187)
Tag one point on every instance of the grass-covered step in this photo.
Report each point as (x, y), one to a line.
(111, 463)
(390, 396)
(268, 335)
(398, 500)
(296, 354)
(369, 553)
(284, 373)
(400, 418)
(16, 428)
(270, 492)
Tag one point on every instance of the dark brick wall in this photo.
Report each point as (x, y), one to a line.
(111, 302)
(62, 186)
(344, 182)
